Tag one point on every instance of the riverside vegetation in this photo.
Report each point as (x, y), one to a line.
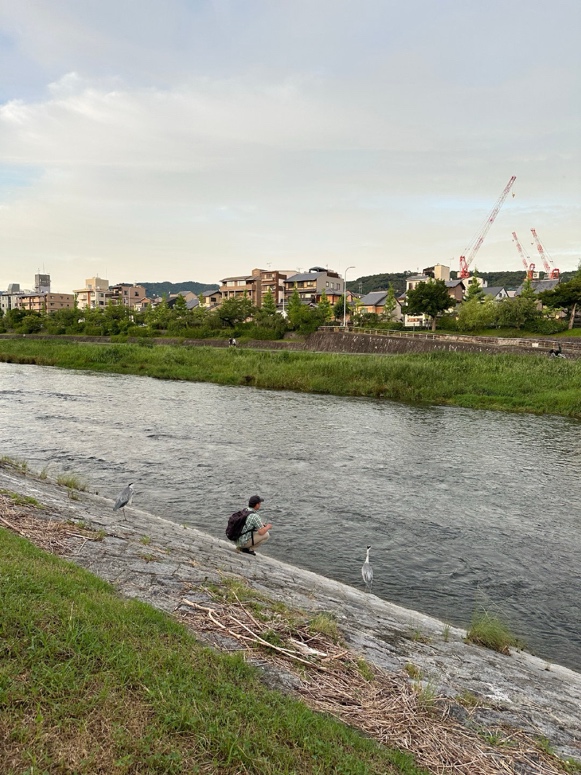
(90, 682)
(479, 381)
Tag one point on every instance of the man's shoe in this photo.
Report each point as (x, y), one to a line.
(248, 551)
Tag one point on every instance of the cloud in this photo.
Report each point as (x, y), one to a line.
(203, 139)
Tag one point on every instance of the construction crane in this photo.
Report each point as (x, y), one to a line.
(529, 266)
(468, 257)
(552, 271)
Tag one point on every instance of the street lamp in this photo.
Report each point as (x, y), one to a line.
(345, 296)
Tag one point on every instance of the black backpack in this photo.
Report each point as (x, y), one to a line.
(235, 526)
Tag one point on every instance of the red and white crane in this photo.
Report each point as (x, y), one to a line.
(530, 267)
(468, 256)
(550, 268)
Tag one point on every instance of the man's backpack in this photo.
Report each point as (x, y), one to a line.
(235, 526)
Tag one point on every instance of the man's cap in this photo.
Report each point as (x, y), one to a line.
(254, 500)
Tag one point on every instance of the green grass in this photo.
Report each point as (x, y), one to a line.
(22, 500)
(71, 481)
(515, 383)
(489, 631)
(91, 683)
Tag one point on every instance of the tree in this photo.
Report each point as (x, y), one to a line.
(294, 309)
(268, 303)
(325, 309)
(390, 304)
(520, 310)
(565, 296)
(474, 290)
(235, 310)
(475, 315)
(431, 299)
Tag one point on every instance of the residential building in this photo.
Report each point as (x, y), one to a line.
(374, 302)
(310, 285)
(456, 289)
(46, 302)
(236, 287)
(95, 294)
(495, 292)
(211, 299)
(539, 285)
(126, 294)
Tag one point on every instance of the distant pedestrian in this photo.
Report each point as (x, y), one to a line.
(255, 532)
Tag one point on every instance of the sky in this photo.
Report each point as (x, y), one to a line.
(152, 140)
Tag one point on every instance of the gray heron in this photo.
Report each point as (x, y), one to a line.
(124, 498)
(367, 572)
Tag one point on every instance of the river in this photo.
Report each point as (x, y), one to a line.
(463, 509)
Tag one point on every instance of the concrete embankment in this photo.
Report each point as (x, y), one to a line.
(518, 691)
(353, 342)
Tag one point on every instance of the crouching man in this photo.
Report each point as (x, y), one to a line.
(255, 532)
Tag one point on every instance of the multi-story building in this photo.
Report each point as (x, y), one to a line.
(310, 285)
(95, 294)
(255, 286)
(46, 302)
(126, 294)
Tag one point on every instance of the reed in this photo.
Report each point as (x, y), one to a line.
(515, 383)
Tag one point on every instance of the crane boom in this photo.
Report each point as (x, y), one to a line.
(530, 267)
(473, 248)
(551, 271)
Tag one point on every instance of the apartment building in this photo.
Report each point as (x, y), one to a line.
(310, 285)
(97, 293)
(45, 302)
(255, 286)
(126, 294)
(94, 295)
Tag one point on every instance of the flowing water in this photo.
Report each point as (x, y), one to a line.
(463, 509)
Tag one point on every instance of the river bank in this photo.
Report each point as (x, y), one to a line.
(173, 568)
(503, 382)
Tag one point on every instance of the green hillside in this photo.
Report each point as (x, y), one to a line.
(380, 282)
(159, 289)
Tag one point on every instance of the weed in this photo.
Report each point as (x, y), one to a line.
(12, 462)
(489, 631)
(365, 669)
(418, 636)
(44, 472)
(446, 633)
(325, 624)
(145, 540)
(545, 745)
(426, 695)
(71, 481)
(149, 557)
(494, 738)
(572, 766)
(413, 671)
(22, 500)
(468, 699)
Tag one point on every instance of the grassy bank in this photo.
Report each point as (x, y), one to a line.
(480, 381)
(91, 683)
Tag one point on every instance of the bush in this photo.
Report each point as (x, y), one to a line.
(546, 326)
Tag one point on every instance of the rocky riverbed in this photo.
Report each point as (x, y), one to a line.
(161, 563)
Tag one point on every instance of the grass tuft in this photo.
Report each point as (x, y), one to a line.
(489, 631)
